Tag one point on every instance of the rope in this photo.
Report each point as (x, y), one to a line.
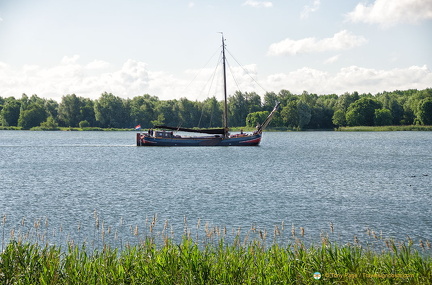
(245, 70)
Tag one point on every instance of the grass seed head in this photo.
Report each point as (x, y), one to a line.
(410, 241)
(422, 244)
(36, 224)
(276, 231)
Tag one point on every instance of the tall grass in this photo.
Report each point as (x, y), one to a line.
(213, 255)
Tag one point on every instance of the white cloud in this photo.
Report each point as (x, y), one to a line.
(332, 59)
(258, 4)
(70, 59)
(298, 81)
(390, 12)
(69, 77)
(350, 79)
(310, 9)
(97, 64)
(90, 80)
(134, 78)
(30, 69)
(208, 82)
(340, 41)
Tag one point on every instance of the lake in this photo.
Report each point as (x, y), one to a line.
(80, 185)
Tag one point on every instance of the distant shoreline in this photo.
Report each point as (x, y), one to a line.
(385, 128)
(249, 129)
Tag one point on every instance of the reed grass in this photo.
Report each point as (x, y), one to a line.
(207, 254)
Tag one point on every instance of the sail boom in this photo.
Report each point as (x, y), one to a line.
(268, 119)
(202, 131)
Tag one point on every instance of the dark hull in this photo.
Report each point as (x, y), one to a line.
(251, 140)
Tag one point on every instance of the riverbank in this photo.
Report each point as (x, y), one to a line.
(384, 128)
(251, 129)
(67, 129)
(218, 262)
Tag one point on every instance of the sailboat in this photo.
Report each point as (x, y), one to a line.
(165, 136)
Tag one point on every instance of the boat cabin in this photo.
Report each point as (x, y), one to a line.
(163, 134)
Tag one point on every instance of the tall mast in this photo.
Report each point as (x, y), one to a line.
(225, 90)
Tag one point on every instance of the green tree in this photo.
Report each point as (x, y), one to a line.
(424, 113)
(160, 120)
(187, 112)
(24, 101)
(70, 110)
(84, 124)
(321, 117)
(285, 97)
(344, 101)
(408, 114)
(411, 104)
(309, 99)
(51, 106)
(339, 118)
(87, 111)
(289, 114)
(328, 101)
(211, 114)
(362, 112)
(383, 117)
(142, 110)
(390, 102)
(49, 124)
(110, 111)
(304, 114)
(270, 99)
(253, 119)
(253, 102)
(237, 109)
(33, 116)
(164, 113)
(10, 112)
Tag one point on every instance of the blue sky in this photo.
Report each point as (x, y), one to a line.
(133, 47)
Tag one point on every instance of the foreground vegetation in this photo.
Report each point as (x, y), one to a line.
(298, 111)
(211, 257)
(221, 263)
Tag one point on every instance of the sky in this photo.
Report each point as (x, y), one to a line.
(169, 48)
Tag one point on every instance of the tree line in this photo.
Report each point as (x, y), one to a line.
(298, 111)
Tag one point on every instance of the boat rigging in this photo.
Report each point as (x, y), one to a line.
(216, 137)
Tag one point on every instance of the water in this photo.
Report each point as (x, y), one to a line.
(376, 180)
